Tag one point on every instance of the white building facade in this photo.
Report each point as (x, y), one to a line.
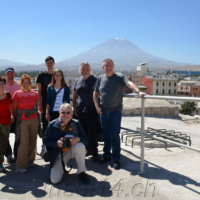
(70, 77)
(164, 85)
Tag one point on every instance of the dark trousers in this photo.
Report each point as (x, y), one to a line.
(54, 115)
(16, 143)
(111, 123)
(44, 121)
(89, 122)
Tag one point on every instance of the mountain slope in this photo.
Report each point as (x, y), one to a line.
(123, 52)
(8, 63)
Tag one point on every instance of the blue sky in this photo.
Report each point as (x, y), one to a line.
(30, 30)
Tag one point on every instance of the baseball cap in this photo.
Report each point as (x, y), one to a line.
(9, 69)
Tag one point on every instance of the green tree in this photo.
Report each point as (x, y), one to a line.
(187, 108)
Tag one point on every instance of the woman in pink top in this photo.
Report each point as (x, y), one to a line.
(25, 100)
(6, 118)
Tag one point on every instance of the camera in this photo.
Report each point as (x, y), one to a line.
(66, 142)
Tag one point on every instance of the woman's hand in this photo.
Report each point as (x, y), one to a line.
(40, 108)
(48, 117)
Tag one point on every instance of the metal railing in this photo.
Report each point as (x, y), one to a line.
(191, 99)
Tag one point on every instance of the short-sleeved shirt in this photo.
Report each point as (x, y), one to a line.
(85, 89)
(27, 101)
(111, 90)
(5, 110)
(12, 88)
(44, 78)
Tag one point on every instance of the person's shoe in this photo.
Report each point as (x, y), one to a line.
(2, 169)
(10, 159)
(43, 151)
(22, 170)
(88, 153)
(104, 160)
(116, 165)
(95, 157)
(83, 177)
(30, 165)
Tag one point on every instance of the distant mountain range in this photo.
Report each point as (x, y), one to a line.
(4, 62)
(124, 54)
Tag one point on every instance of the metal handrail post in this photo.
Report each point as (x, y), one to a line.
(142, 137)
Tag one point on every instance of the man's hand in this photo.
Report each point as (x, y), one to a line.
(75, 111)
(99, 110)
(40, 108)
(59, 143)
(142, 94)
(74, 140)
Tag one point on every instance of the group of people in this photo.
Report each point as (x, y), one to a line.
(94, 99)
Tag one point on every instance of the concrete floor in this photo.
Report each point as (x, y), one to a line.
(172, 174)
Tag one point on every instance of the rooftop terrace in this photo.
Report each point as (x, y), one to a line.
(173, 173)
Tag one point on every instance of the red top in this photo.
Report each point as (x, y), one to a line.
(5, 110)
(27, 101)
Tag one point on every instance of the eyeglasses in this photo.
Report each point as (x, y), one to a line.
(66, 113)
(2, 84)
(49, 62)
(108, 65)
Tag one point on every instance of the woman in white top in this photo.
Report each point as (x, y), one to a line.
(57, 93)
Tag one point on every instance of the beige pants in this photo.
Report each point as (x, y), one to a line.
(78, 152)
(28, 140)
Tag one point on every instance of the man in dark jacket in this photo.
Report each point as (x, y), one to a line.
(65, 126)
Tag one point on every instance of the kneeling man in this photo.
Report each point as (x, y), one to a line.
(60, 128)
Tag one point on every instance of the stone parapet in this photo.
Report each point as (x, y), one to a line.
(132, 106)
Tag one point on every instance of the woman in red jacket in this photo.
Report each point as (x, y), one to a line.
(6, 118)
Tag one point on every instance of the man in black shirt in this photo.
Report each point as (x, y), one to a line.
(43, 80)
(84, 107)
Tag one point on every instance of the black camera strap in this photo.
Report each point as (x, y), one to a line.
(62, 162)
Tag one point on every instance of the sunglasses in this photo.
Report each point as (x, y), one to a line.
(2, 84)
(66, 113)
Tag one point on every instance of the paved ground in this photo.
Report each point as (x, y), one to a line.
(172, 174)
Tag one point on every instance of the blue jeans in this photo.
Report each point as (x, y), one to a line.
(111, 123)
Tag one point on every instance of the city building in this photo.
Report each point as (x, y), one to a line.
(164, 85)
(147, 80)
(187, 72)
(189, 88)
(70, 77)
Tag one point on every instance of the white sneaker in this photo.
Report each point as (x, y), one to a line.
(22, 170)
(30, 165)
